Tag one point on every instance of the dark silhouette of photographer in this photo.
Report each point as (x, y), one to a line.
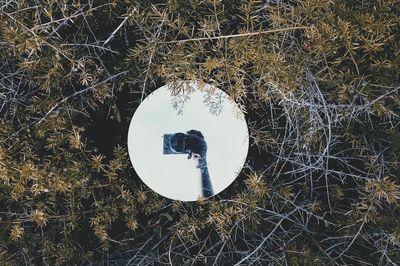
(194, 145)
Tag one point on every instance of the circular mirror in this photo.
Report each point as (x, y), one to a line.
(188, 140)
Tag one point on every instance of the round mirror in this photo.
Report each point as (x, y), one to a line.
(188, 146)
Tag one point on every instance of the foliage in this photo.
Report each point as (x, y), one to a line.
(318, 81)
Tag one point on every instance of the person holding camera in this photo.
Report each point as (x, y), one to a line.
(194, 144)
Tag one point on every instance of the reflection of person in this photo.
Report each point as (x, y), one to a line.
(194, 144)
(198, 150)
(206, 185)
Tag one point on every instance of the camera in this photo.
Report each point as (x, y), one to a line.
(174, 144)
(185, 143)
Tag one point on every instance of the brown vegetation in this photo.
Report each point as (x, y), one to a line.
(318, 81)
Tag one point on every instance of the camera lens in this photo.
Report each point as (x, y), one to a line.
(177, 142)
